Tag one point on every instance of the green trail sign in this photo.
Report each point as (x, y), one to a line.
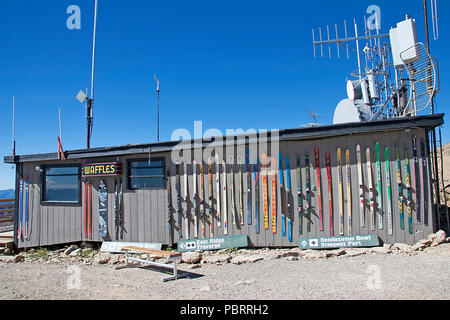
(370, 240)
(213, 243)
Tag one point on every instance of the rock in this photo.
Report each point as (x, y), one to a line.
(383, 250)
(425, 242)
(437, 238)
(387, 246)
(402, 247)
(313, 255)
(195, 266)
(290, 253)
(102, 258)
(7, 252)
(448, 240)
(247, 259)
(70, 249)
(355, 253)
(74, 253)
(216, 259)
(191, 257)
(19, 258)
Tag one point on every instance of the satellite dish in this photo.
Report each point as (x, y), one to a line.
(346, 112)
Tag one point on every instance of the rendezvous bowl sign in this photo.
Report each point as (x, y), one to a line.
(370, 240)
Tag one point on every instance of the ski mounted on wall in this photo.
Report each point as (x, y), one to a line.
(371, 190)
(330, 194)
(266, 209)
(195, 198)
(19, 222)
(241, 191)
(283, 197)
(102, 209)
(424, 183)
(341, 192)
(185, 201)
(233, 202)
(408, 191)
(359, 164)
(288, 202)
(417, 179)
(224, 198)
(178, 192)
(202, 200)
(379, 189)
(308, 192)
(319, 188)
(249, 186)
(349, 193)
(389, 192)
(218, 209)
(273, 176)
(169, 210)
(399, 187)
(210, 199)
(257, 202)
(299, 196)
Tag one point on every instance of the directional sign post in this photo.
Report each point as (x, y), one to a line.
(361, 241)
(213, 243)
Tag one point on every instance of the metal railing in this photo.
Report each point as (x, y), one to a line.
(7, 212)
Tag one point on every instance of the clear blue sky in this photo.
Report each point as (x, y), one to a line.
(231, 64)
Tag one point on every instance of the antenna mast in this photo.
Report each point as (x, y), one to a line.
(90, 101)
(13, 129)
(157, 91)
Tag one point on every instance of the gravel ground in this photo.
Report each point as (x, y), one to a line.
(424, 275)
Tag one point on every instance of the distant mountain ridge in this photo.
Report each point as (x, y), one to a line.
(7, 194)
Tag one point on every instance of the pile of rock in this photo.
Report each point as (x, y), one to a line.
(75, 254)
(220, 257)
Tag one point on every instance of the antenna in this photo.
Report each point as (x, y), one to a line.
(435, 18)
(13, 129)
(59, 117)
(157, 90)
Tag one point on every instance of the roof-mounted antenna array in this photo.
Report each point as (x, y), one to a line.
(396, 77)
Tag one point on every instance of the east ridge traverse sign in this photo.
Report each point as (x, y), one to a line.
(357, 241)
(213, 243)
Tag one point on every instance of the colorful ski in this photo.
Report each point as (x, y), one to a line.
(319, 189)
(349, 193)
(218, 209)
(408, 191)
(116, 207)
(85, 209)
(330, 194)
(266, 209)
(288, 207)
(185, 201)
(283, 197)
(379, 190)
(249, 187)
(371, 189)
(202, 200)
(424, 184)
(233, 202)
(210, 198)
(19, 211)
(224, 198)
(241, 200)
(102, 209)
(25, 209)
(389, 192)
(362, 215)
(299, 196)
(169, 210)
(341, 192)
(121, 216)
(274, 194)
(417, 179)
(195, 197)
(178, 191)
(257, 202)
(400, 189)
(308, 192)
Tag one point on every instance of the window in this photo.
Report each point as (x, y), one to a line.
(62, 184)
(145, 175)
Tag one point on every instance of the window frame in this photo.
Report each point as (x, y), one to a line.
(129, 176)
(44, 187)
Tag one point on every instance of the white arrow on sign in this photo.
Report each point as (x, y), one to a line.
(304, 243)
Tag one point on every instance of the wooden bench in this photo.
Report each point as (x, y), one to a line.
(173, 257)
